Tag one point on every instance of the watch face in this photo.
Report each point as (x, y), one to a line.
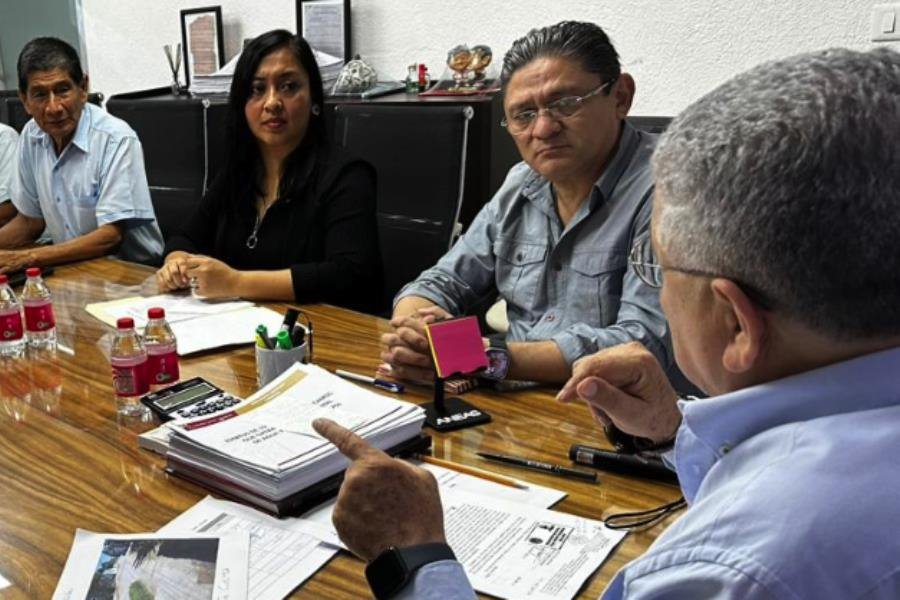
(387, 573)
(498, 363)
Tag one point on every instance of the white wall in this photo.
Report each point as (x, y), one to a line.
(676, 49)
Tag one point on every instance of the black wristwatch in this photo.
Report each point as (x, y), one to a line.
(394, 568)
(498, 358)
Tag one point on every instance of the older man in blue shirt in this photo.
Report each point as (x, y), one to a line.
(80, 171)
(774, 243)
(554, 240)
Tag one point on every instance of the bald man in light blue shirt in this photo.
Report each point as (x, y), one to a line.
(80, 172)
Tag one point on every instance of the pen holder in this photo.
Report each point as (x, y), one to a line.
(272, 363)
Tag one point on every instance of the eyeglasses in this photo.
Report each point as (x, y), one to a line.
(643, 263)
(557, 110)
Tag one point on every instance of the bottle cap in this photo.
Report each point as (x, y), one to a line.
(125, 323)
(3, 279)
(33, 272)
(283, 340)
(156, 313)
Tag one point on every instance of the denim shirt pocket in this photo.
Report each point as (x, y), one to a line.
(595, 288)
(520, 268)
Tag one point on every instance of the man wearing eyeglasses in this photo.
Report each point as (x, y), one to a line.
(774, 232)
(554, 240)
(80, 172)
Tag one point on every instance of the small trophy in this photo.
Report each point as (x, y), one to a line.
(458, 60)
(481, 59)
(175, 66)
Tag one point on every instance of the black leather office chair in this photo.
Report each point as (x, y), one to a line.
(12, 111)
(183, 143)
(650, 124)
(419, 154)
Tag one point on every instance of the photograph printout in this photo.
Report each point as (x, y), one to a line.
(146, 565)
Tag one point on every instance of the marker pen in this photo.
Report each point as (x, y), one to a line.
(626, 464)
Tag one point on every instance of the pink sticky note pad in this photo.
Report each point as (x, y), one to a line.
(456, 346)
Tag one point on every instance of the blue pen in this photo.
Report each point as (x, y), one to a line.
(390, 386)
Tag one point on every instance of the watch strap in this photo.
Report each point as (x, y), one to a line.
(391, 570)
(498, 340)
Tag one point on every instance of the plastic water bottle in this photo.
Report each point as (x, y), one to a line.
(12, 336)
(162, 350)
(40, 324)
(129, 368)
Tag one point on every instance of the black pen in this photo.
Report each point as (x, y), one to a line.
(290, 317)
(537, 465)
(618, 462)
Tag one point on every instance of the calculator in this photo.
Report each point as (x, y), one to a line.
(192, 398)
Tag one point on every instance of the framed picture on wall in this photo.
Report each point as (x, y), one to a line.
(201, 40)
(325, 24)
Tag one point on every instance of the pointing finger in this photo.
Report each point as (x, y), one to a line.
(348, 443)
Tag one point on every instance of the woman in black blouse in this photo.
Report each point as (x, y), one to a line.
(291, 217)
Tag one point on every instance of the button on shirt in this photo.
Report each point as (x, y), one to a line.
(98, 179)
(568, 284)
(8, 139)
(793, 489)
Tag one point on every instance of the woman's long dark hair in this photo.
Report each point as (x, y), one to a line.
(241, 172)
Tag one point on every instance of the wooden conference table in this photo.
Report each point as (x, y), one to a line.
(68, 461)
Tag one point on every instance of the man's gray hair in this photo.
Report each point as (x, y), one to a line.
(787, 179)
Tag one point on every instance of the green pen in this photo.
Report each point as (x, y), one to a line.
(283, 340)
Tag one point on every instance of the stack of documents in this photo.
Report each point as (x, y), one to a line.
(329, 67)
(265, 452)
(217, 83)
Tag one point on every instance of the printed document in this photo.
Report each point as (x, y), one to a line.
(449, 481)
(198, 324)
(282, 554)
(512, 550)
(267, 444)
(189, 566)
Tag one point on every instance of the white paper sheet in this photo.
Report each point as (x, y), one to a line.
(225, 329)
(282, 555)
(532, 494)
(448, 482)
(3, 582)
(198, 324)
(512, 550)
(186, 567)
(178, 307)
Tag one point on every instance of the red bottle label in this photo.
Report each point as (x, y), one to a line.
(163, 368)
(11, 327)
(131, 380)
(39, 318)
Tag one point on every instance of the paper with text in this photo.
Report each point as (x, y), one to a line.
(273, 431)
(282, 553)
(189, 566)
(448, 482)
(511, 550)
(198, 324)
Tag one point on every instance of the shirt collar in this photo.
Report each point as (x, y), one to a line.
(536, 187)
(83, 130)
(711, 427)
(82, 137)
